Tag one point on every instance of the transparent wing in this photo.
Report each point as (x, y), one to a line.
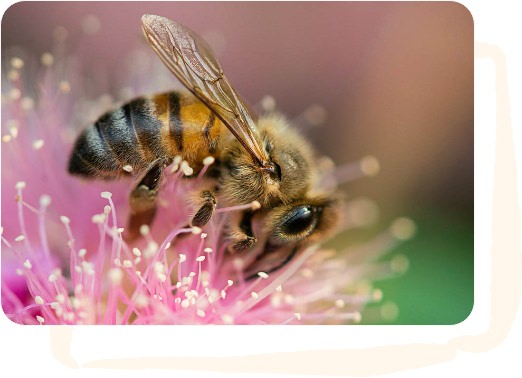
(190, 58)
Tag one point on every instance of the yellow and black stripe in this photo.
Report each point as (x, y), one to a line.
(144, 130)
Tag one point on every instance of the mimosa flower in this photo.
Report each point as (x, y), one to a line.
(65, 260)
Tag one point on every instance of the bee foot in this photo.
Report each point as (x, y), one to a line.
(243, 244)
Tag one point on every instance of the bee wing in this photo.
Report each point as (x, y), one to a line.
(190, 58)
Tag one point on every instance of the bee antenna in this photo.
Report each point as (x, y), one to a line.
(273, 170)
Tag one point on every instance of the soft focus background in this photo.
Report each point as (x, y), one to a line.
(395, 79)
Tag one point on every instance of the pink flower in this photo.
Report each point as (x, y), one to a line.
(64, 260)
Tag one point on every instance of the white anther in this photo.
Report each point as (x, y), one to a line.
(208, 160)
(17, 63)
(115, 275)
(403, 228)
(38, 144)
(227, 319)
(369, 165)
(144, 229)
(106, 195)
(64, 86)
(47, 59)
(200, 313)
(45, 200)
(98, 218)
(262, 275)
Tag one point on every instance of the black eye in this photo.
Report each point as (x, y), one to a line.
(300, 220)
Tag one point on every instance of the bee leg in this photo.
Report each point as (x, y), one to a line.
(206, 208)
(242, 235)
(143, 199)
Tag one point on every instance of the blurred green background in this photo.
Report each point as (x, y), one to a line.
(437, 288)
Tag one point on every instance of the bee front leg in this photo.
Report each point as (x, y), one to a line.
(143, 198)
(206, 204)
(241, 234)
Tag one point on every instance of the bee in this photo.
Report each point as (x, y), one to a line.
(257, 159)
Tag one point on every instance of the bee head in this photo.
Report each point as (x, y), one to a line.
(287, 176)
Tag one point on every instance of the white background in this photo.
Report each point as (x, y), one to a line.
(26, 350)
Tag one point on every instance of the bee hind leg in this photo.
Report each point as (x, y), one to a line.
(143, 198)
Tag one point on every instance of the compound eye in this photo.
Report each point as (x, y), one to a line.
(300, 221)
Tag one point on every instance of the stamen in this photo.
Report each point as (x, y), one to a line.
(399, 264)
(144, 230)
(13, 75)
(403, 228)
(185, 168)
(268, 103)
(389, 311)
(227, 319)
(17, 63)
(47, 59)
(15, 94)
(115, 276)
(13, 130)
(45, 200)
(208, 160)
(38, 144)
(369, 165)
(106, 195)
(27, 103)
(64, 86)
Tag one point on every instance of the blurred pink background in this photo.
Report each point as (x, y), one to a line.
(396, 79)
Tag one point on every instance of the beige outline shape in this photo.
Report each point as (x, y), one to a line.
(506, 275)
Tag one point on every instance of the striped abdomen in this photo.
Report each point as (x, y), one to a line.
(144, 130)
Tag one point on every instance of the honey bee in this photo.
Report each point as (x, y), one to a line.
(263, 160)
